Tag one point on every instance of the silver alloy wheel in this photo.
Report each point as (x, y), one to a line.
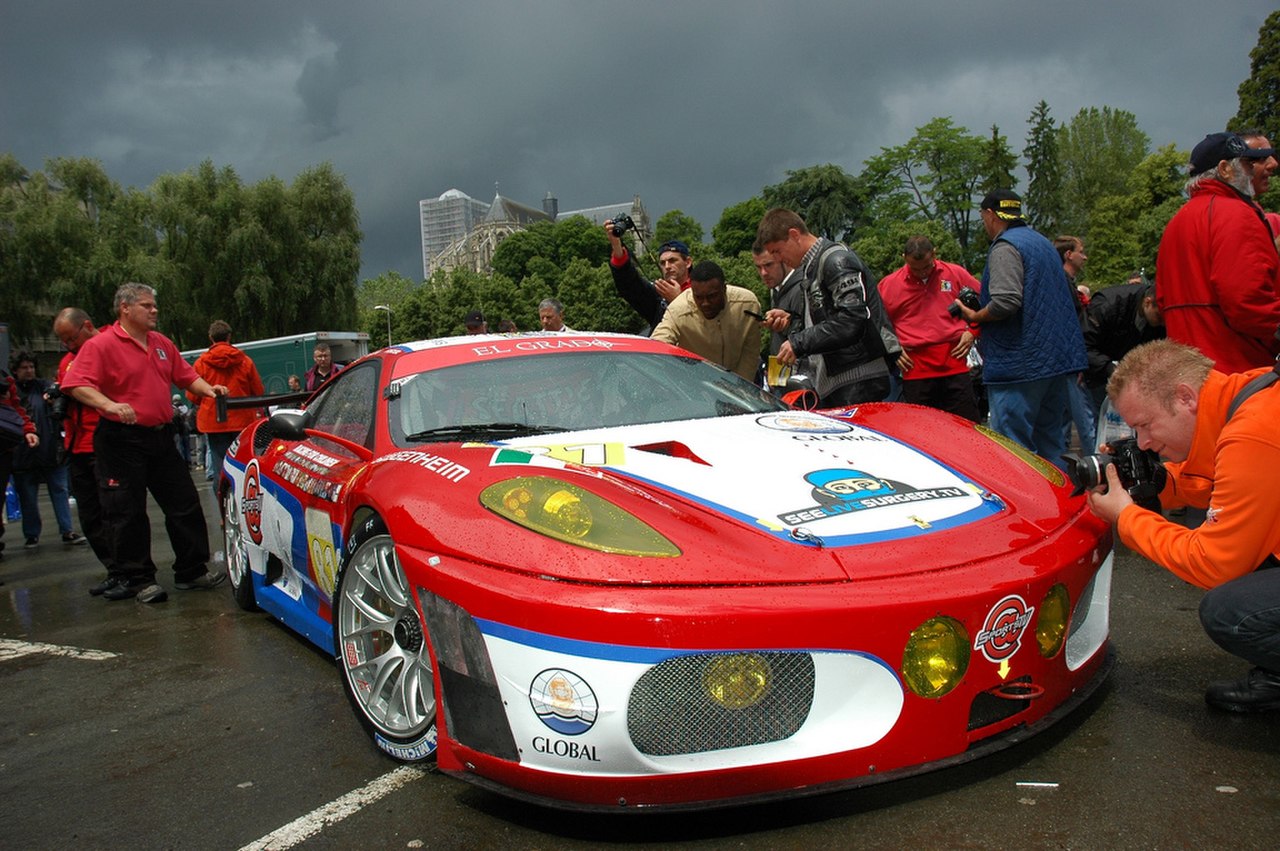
(233, 542)
(382, 648)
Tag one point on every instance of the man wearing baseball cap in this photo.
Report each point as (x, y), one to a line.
(1217, 268)
(649, 299)
(1031, 343)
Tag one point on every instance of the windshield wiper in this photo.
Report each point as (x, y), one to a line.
(458, 432)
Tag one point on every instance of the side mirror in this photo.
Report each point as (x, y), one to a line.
(290, 424)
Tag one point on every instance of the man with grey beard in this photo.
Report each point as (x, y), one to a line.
(1262, 171)
(1217, 270)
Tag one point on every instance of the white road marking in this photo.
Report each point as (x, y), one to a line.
(12, 649)
(351, 803)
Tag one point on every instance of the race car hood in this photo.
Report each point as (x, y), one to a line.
(802, 479)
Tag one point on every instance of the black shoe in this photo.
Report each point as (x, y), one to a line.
(104, 586)
(31, 543)
(126, 590)
(1259, 691)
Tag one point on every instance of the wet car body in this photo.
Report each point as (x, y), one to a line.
(595, 572)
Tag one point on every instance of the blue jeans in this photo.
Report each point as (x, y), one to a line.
(219, 443)
(1084, 415)
(1243, 616)
(1034, 413)
(27, 484)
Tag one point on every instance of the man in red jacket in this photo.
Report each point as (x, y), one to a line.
(1217, 268)
(222, 363)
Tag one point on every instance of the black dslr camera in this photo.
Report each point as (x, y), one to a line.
(1140, 471)
(621, 224)
(57, 402)
(968, 298)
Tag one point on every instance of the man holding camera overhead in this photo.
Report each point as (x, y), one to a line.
(1217, 435)
(650, 300)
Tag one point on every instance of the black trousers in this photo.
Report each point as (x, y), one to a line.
(952, 393)
(129, 462)
(83, 483)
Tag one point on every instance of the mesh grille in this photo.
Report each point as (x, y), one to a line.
(262, 437)
(672, 712)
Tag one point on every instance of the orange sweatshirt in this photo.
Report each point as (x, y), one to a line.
(1231, 470)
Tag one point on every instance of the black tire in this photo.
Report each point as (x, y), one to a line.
(237, 553)
(379, 637)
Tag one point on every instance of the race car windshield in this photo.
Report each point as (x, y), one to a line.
(566, 392)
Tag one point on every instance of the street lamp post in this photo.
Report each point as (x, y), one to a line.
(387, 308)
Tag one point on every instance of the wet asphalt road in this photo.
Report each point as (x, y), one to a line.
(213, 728)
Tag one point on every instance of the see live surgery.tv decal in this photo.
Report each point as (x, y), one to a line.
(842, 491)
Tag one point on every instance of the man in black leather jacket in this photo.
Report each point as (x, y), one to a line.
(846, 333)
(1118, 319)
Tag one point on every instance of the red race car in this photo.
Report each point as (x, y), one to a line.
(596, 572)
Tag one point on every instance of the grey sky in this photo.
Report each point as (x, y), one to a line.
(693, 105)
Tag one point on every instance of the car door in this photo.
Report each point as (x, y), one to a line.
(310, 479)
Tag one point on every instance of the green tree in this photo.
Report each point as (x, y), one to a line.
(56, 232)
(1126, 229)
(389, 290)
(999, 161)
(736, 230)
(329, 262)
(676, 224)
(1043, 199)
(590, 301)
(937, 175)
(825, 196)
(1098, 149)
(577, 237)
(1260, 94)
(512, 256)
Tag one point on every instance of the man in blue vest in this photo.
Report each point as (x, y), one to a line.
(1031, 343)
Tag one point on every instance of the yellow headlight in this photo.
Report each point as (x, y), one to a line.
(1051, 473)
(936, 657)
(574, 515)
(1051, 621)
(737, 681)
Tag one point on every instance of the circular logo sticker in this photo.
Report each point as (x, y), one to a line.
(1001, 634)
(807, 423)
(251, 502)
(563, 701)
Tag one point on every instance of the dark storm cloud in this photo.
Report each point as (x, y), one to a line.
(693, 106)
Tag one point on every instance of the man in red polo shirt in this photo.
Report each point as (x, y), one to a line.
(935, 344)
(125, 373)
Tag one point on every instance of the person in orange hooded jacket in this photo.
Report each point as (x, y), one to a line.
(1223, 460)
(223, 363)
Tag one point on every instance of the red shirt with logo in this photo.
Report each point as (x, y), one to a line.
(121, 369)
(918, 310)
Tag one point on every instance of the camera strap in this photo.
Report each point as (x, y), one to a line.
(1260, 383)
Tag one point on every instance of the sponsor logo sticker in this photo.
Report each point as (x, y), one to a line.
(563, 701)
(844, 491)
(806, 423)
(1001, 633)
(251, 502)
